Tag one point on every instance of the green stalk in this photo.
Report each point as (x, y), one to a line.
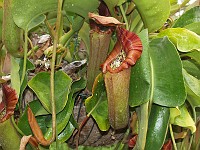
(143, 115)
(124, 16)
(172, 136)
(56, 40)
(25, 56)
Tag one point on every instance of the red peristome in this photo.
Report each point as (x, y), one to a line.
(131, 44)
(10, 99)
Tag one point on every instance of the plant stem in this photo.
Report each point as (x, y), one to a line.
(172, 136)
(53, 105)
(143, 115)
(25, 56)
(124, 16)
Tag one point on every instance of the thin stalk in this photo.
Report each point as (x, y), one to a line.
(143, 116)
(25, 56)
(124, 16)
(172, 136)
(56, 40)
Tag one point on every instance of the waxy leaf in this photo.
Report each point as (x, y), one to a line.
(190, 20)
(10, 100)
(181, 117)
(40, 84)
(153, 10)
(140, 75)
(157, 127)
(96, 105)
(167, 85)
(185, 40)
(24, 12)
(193, 92)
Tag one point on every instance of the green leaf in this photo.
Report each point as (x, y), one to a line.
(83, 33)
(97, 106)
(192, 68)
(15, 77)
(184, 39)
(62, 119)
(157, 127)
(190, 20)
(36, 21)
(111, 5)
(193, 89)
(195, 27)
(24, 12)
(140, 75)
(195, 55)
(166, 74)
(40, 84)
(58, 146)
(182, 118)
(154, 13)
(37, 109)
(66, 133)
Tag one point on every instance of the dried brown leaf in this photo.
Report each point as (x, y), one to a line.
(24, 141)
(36, 129)
(105, 21)
(10, 100)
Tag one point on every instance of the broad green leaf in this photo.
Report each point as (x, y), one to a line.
(189, 17)
(38, 109)
(172, 2)
(62, 118)
(154, 13)
(25, 11)
(193, 89)
(157, 127)
(192, 68)
(97, 106)
(182, 118)
(195, 55)
(58, 146)
(35, 22)
(192, 82)
(66, 133)
(185, 40)
(120, 2)
(140, 75)
(83, 33)
(15, 77)
(195, 27)
(1, 21)
(40, 84)
(167, 83)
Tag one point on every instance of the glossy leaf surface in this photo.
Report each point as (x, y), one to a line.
(185, 40)
(166, 74)
(140, 75)
(25, 11)
(190, 20)
(157, 127)
(40, 84)
(97, 105)
(151, 10)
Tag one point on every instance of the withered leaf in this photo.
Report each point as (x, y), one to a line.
(36, 129)
(103, 20)
(10, 100)
(24, 141)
